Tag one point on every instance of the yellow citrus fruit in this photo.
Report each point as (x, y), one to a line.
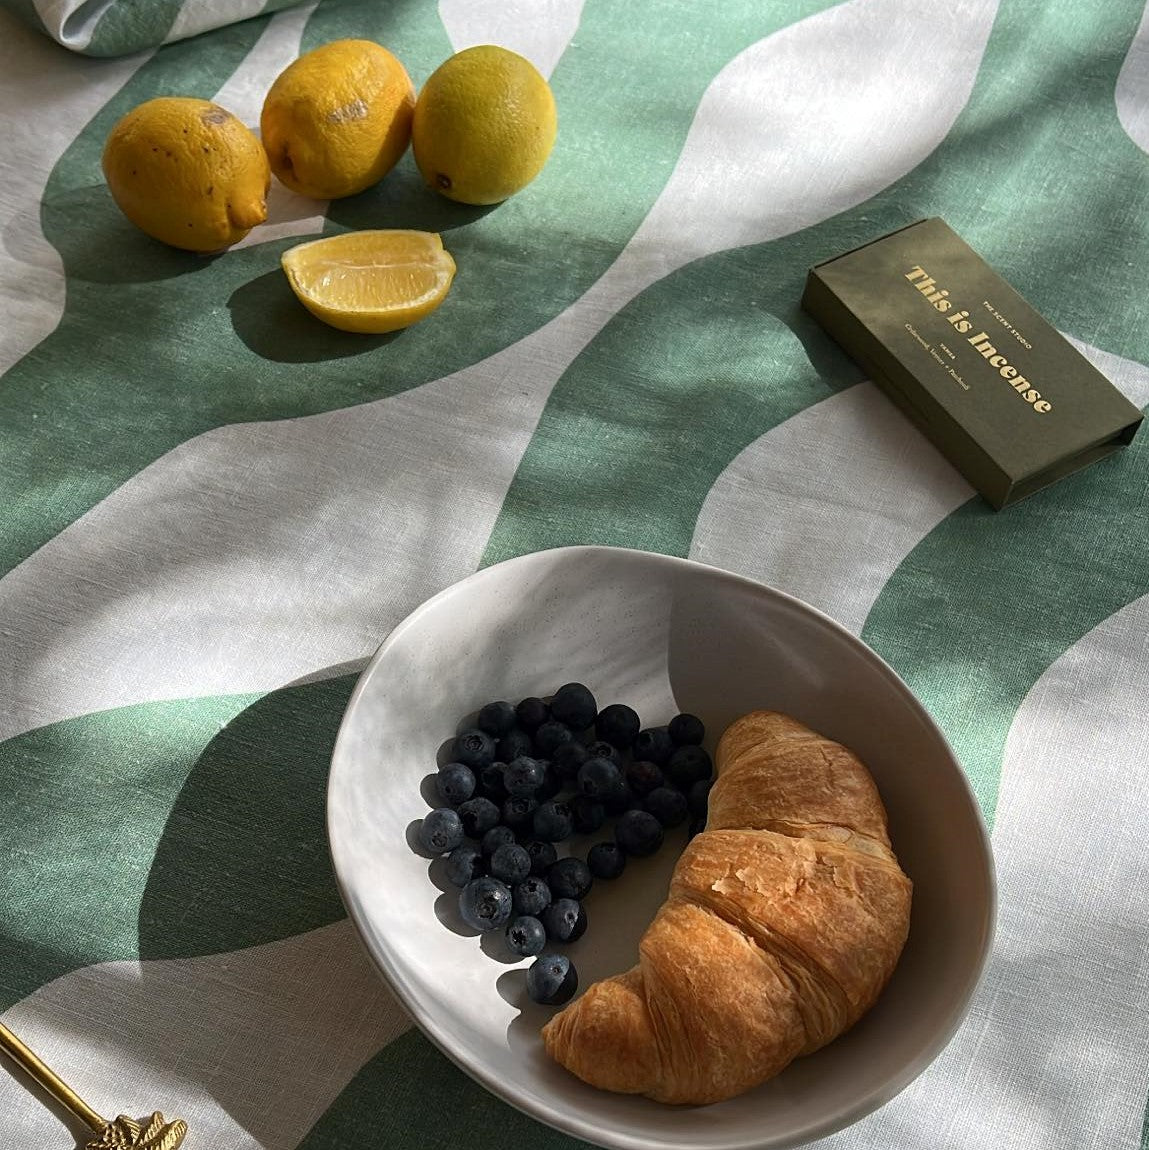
(336, 120)
(371, 281)
(485, 123)
(187, 172)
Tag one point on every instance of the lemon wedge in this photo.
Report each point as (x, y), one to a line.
(371, 281)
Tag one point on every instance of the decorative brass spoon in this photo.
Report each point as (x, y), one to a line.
(123, 1134)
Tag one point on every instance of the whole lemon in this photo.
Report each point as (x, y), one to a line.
(187, 172)
(336, 120)
(485, 123)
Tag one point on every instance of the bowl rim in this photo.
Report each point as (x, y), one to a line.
(441, 1038)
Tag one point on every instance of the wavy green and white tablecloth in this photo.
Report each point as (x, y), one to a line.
(215, 508)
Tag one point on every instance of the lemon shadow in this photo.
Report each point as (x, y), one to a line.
(269, 319)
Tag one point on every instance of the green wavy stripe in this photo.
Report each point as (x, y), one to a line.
(1001, 591)
(991, 178)
(167, 830)
(1040, 177)
(599, 468)
(386, 1104)
(156, 346)
(132, 25)
(644, 491)
(86, 804)
(648, 416)
(984, 605)
(86, 407)
(100, 430)
(243, 858)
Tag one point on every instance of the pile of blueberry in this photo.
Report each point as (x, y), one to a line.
(530, 777)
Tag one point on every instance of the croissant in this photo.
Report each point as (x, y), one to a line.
(785, 918)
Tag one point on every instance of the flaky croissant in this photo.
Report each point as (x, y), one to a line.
(784, 921)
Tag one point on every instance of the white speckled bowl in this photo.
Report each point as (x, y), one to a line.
(664, 635)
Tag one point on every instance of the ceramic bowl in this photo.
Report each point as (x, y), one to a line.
(664, 635)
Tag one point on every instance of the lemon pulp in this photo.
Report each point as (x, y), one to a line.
(371, 281)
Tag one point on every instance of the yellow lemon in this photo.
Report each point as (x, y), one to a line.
(187, 172)
(337, 120)
(371, 281)
(485, 123)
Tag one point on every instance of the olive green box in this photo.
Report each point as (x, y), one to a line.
(1008, 401)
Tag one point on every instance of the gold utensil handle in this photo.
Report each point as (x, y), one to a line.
(55, 1086)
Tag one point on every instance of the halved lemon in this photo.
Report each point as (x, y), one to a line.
(371, 281)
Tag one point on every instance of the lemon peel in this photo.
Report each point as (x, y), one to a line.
(187, 172)
(484, 126)
(337, 119)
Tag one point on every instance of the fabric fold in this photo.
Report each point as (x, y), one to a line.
(123, 27)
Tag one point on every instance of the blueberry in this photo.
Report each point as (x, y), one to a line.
(688, 765)
(490, 784)
(697, 798)
(455, 783)
(526, 936)
(601, 749)
(621, 799)
(474, 749)
(478, 816)
(568, 757)
(564, 919)
(570, 878)
(550, 736)
(599, 778)
(686, 729)
(617, 724)
(638, 833)
(523, 776)
(587, 814)
(605, 860)
(668, 805)
(441, 831)
(465, 863)
(499, 835)
(574, 705)
(553, 821)
(542, 856)
(514, 743)
(551, 785)
(532, 712)
(643, 776)
(551, 980)
(519, 814)
(496, 719)
(510, 863)
(531, 896)
(485, 904)
(654, 744)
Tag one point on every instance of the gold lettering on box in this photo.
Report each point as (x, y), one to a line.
(938, 298)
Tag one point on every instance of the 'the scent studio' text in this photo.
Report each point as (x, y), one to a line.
(1008, 372)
